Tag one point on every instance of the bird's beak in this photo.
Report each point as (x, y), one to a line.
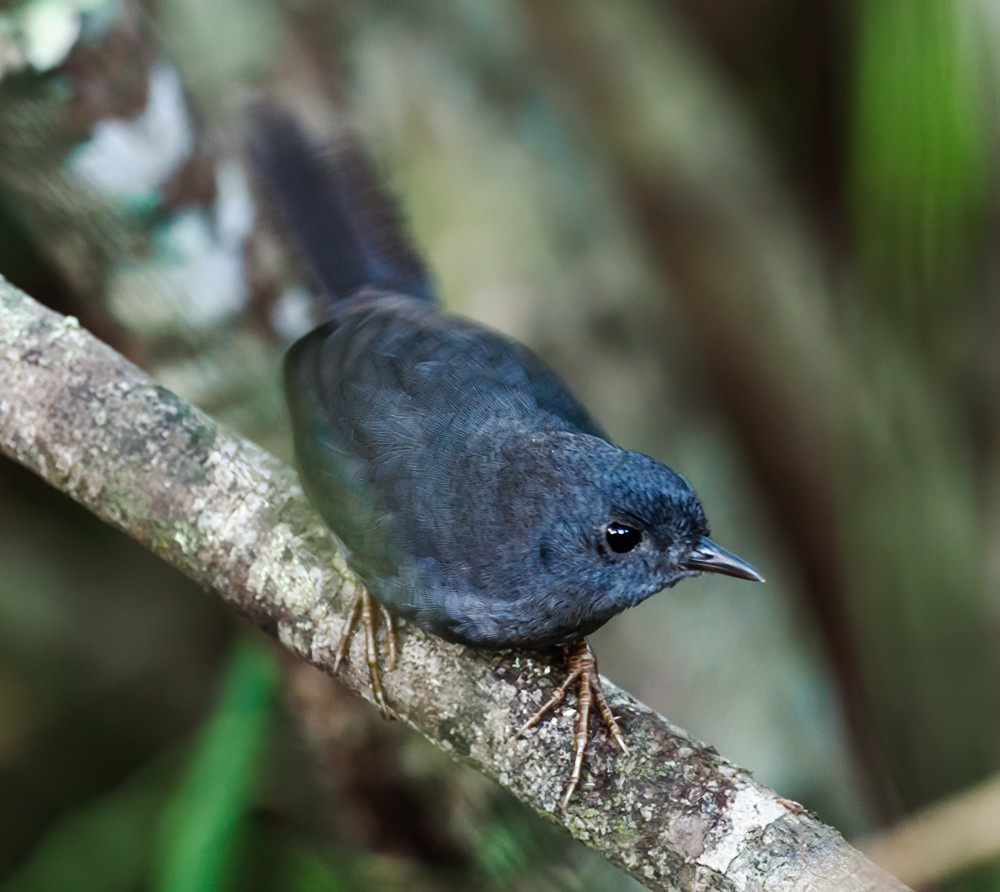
(711, 558)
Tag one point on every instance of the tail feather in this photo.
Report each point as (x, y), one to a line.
(340, 217)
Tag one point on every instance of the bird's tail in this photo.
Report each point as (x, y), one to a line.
(339, 216)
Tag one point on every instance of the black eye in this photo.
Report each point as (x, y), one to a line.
(621, 537)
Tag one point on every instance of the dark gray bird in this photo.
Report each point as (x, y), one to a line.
(476, 497)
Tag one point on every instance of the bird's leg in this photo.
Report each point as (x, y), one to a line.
(390, 633)
(347, 630)
(581, 666)
(364, 608)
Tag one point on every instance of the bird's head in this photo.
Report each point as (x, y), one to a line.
(614, 527)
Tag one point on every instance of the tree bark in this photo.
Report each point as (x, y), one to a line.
(671, 812)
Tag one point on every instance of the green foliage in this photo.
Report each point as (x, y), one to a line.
(205, 822)
(922, 144)
(923, 177)
(103, 844)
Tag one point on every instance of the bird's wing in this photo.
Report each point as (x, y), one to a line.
(393, 407)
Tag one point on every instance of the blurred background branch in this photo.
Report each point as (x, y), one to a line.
(943, 840)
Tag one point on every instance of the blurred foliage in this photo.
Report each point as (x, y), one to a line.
(759, 240)
(204, 822)
(922, 185)
(921, 171)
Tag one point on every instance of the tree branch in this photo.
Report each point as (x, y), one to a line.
(944, 840)
(672, 812)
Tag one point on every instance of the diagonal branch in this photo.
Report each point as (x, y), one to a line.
(672, 812)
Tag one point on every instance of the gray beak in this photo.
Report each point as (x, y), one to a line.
(711, 558)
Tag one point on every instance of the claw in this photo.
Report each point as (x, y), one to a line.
(363, 607)
(581, 667)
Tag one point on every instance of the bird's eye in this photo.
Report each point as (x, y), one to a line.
(621, 537)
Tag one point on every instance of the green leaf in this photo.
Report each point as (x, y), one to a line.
(204, 824)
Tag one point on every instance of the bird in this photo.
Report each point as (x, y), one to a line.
(473, 493)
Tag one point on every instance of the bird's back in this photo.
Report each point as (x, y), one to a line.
(400, 416)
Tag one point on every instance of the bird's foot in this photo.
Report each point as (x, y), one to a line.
(367, 609)
(581, 665)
